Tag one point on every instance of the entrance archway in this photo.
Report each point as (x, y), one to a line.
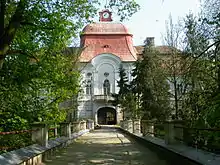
(107, 116)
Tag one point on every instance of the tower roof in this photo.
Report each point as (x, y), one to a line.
(105, 28)
(107, 37)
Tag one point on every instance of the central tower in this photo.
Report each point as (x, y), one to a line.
(106, 45)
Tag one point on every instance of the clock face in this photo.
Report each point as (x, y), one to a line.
(105, 15)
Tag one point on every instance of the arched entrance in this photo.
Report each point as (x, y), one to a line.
(107, 116)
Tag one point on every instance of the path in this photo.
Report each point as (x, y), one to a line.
(105, 147)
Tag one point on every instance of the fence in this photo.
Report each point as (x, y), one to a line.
(40, 133)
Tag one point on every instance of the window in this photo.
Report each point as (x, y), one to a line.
(106, 46)
(89, 74)
(88, 87)
(106, 74)
(106, 87)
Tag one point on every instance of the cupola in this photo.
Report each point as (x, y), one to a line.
(105, 16)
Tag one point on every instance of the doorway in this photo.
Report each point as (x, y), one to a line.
(107, 116)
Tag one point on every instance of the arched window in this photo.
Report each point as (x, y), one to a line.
(88, 87)
(106, 87)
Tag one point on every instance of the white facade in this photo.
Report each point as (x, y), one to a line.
(99, 80)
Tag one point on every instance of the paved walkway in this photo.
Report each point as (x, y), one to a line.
(105, 147)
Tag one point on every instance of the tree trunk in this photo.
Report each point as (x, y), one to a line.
(8, 33)
(175, 97)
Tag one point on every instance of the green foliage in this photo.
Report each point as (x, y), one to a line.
(33, 90)
(201, 101)
(120, 97)
(123, 8)
(122, 82)
(147, 94)
(128, 104)
(154, 86)
(135, 85)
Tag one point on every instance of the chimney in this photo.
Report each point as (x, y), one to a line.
(149, 41)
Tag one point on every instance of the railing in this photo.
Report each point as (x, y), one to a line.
(175, 131)
(202, 138)
(53, 133)
(159, 130)
(103, 97)
(15, 139)
(40, 133)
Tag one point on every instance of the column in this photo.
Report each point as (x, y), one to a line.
(90, 124)
(136, 126)
(75, 126)
(179, 130)
(96, 118)
(95, 82)
(130, 126)
(121, 124)
(65, 129)
(82, 125)
(40, 133)
(169, 132)
(148, 127)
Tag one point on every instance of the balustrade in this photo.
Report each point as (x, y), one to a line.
(41, 132)
(175, 132)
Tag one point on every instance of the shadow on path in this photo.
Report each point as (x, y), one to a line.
(105, 146)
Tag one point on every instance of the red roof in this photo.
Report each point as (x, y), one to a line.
(107, 37)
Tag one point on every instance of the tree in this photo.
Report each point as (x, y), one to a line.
(207, 62)
(135, 83)
(122, 82)
(129, 106)
(201, 102)
(149, 86)
(126, 98)
(155, 92)
(196, 42)
(120, 97)
(203, 50)
(176, 65)
(34, 90)
(31, 91)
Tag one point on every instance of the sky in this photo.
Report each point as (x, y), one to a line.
(149, 21)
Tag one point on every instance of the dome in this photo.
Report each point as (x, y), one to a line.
(105, 28)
